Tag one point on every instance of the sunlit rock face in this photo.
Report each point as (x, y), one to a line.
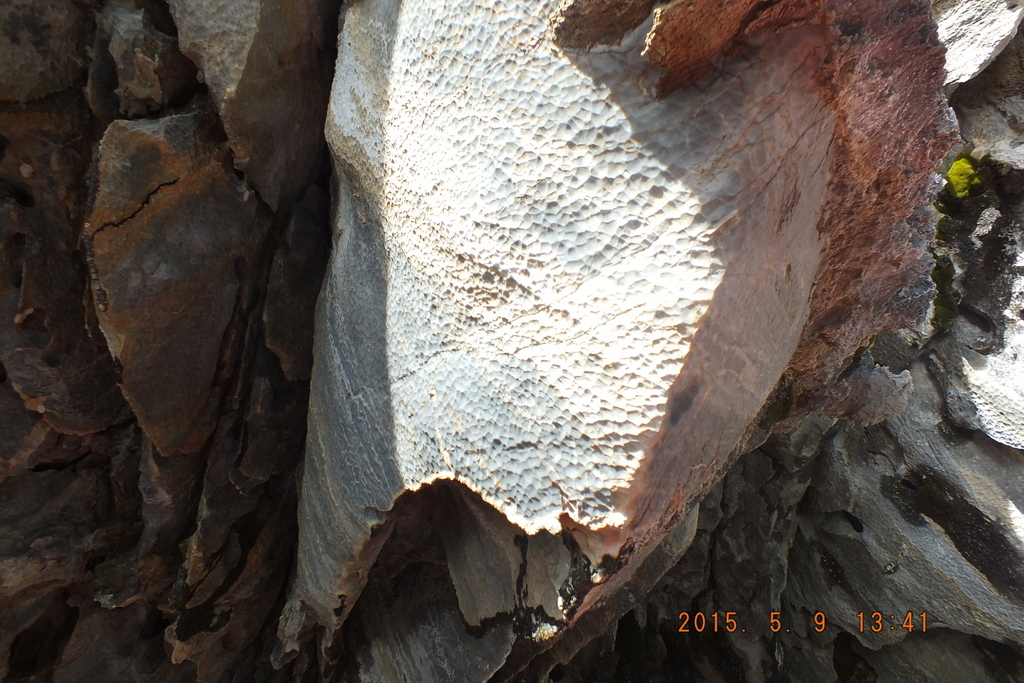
(549, 284)
(974, 33)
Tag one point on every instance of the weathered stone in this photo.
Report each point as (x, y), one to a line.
(136, 63)
(161, 186)
(57, 365)
(874, 273)
(21, 432)
(689, 35)
(907, 514)
(582, 24)
(42, 47)
(548, 563)
(220, 633)
(95, 517)
(974, 33)
(589, 380)
(415, 634)
(990, 107)
(484, 559)
(867, 393)
(295, 277)
(262, 60)
(36, 627)
(943, 657)
(62, 535)
(508, 311)
(119, 646)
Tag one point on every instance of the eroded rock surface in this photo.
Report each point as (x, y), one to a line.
(533, 250)
(916, 515)
(974, 33)
(259, 59)
(584, 256)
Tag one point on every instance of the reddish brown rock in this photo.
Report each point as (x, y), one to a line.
(894, 126)
(688, 33)
(119, 646)
(166, 283)
(582, 24)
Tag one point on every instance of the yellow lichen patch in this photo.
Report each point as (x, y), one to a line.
(962, 178)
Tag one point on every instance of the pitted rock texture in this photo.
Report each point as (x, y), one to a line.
(583, 258)
(516, 283)
(514, 288)
(919, 513)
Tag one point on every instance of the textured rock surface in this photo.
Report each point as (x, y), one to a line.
(135, 262)
(497, 373)
(531, 251)
(582, 24)
(137, 63)
(974, 33)
(259, 59)
(990, 108)
(919, 513)
(159, 188)
(42, 47)
(585, 256)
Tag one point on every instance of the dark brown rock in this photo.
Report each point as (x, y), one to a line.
(42, 47)
(221, 631)
(165, 284)
(294, 284)
(263, 63)
(136, 68)
(120, 646)
(56, 365)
